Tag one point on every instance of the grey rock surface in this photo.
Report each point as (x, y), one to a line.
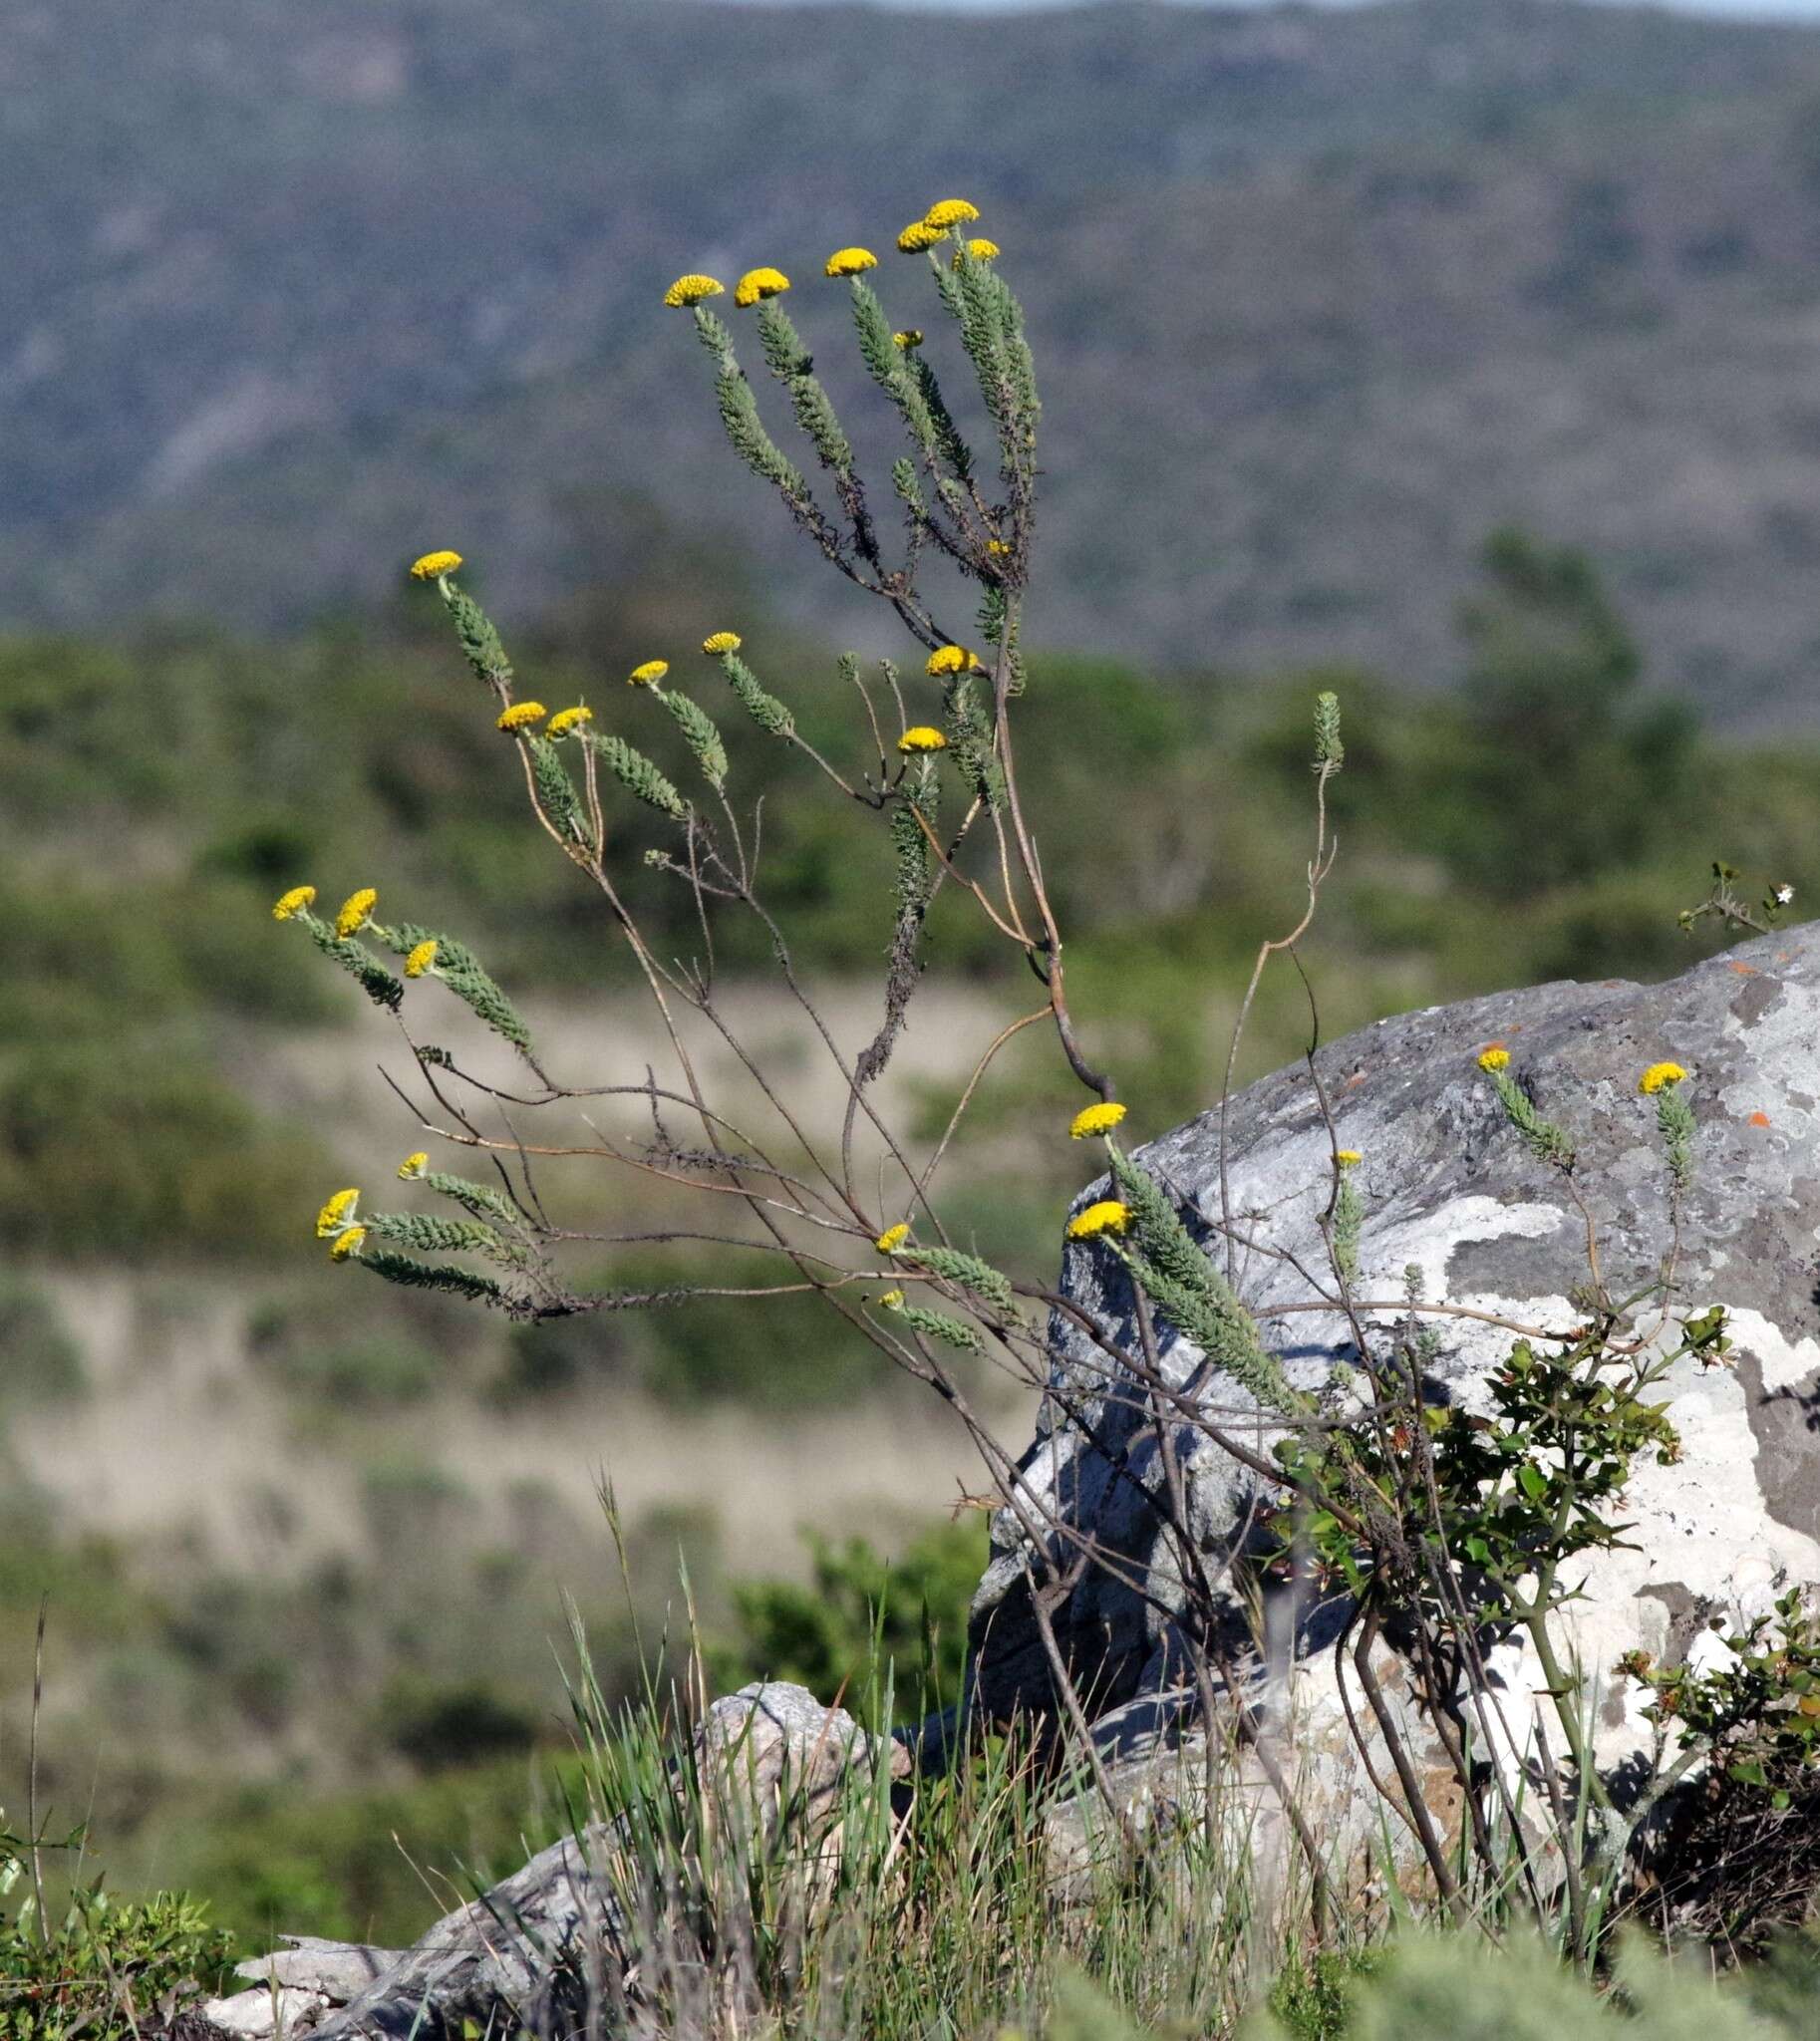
(266, 2012)
(1448, 1189)
(508, 1954)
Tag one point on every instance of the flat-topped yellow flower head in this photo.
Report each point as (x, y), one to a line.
(413, 1166)
(980, 250)
(759, 283)
(950, 659)
(566, 720)
(918, 236)
(950, 212)
(521, 715)
(421, 959)
(922, 738)
(892, 1238)
(851, 261)
(337, 1213)
(347, 1244)
(909, 339)
(1109, 1216)
(432, 567)
(648, 675)
(1095, 1119)
(893, 1300)
(691, 289)
(1349, 1158)
(721, 640)
(356, 911)
(293, 902)
(1658, 1075)
(1494, 1057)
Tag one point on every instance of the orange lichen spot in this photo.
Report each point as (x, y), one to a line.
(1759, 1119)
(1745, 970)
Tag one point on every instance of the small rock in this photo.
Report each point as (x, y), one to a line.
(266, 2012)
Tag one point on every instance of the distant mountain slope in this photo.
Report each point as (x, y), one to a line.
(1320, 297)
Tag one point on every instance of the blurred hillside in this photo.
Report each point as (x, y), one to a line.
(1320, 298)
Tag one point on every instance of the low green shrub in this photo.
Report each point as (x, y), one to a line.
(88, 1966)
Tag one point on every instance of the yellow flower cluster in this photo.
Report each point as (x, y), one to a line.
(432, 567)
(721, 640)
(413, 1165)
(892, 1299)
(348, 1244)
(337, 1212)
(950, 212)
(909, 339)
(919, 236)
(922, 738)
(566, 720)
(1660, 1075)
(288, 904)
(1495, 1058)
(1349, 1158)
(980, 250)
(356, 911)
(648, 675)
(521, 715)
(759, 283)
(1109, 1216)
(951, 659)
(691, 290)
(851, 261)
(892, 1238)
(1094, 1120)
(421, 959)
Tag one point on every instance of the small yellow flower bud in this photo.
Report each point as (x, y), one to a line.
(347, 1244)
(759, 283)
(892, 1299)
(1109, 1216)
(951, 659)
(980, 250)
(691, 289)
(414, 1165)
(421, 959)
(356, 911)
(1660, 1075)
(892, 1238)
(911, 337)
(1094, 1120)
